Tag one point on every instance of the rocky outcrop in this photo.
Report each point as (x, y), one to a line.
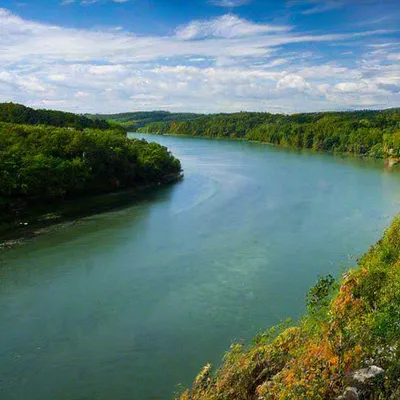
(366, 375)
(351, 393)
(363, 383)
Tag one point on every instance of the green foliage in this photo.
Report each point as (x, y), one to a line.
(266, 337)
(219, 126)
(387, 322)
(134, 120)
(370, 133)
(318, 295)
(19, 114)
(392, 144)
(46, 164)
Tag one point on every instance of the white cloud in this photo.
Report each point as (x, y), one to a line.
(394, 57)
(361, 86)
(230, 3)
(227, 26)
(329, 70)
(106, 69)
(81, 94)
(325, 6)
(223, 64)
(30, 42)
(317, 6)
(292, 81)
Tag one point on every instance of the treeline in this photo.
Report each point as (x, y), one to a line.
(135, 120)
(372, 133)
(219, 125)
(42, 164)
(20, 114)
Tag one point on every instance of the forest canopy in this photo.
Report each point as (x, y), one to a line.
(137, 119)
(372, 133)
(47, 164)
(19, 114)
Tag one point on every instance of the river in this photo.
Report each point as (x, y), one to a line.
(127, 304)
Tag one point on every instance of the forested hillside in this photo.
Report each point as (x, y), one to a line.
(19, 114)
(135, 120)
(46, 164)
(373, 133)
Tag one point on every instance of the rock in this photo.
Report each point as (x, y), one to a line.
(366, 375)
(351, 393)
(363, 383)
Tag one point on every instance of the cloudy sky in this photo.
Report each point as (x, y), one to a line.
(200, 55)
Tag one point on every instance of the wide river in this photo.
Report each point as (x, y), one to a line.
(127, 304)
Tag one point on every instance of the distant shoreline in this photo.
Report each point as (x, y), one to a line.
(390, 162)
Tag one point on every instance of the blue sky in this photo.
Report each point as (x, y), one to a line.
(200, 55)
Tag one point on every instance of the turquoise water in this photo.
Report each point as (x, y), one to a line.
(128, 304)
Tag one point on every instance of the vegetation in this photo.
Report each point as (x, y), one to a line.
(19, 114)
(46, 164)
(371, 133)
(348, 326)
(135, 120)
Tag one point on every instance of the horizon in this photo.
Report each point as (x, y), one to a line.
(208, 57)
(210, 113)
(322, 111)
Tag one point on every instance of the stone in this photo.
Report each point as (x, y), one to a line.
(363, 383)
(351, 393)
(366, 375)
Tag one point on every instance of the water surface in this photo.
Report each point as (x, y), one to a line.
(127, 304)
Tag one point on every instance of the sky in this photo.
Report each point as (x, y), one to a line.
(279, 56)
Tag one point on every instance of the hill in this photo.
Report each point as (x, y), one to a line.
(20, 114)
(135, 120)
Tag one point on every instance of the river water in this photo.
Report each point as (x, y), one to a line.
(127, 304)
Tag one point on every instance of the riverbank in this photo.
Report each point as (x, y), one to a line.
(372, 133)
(346, 347)
(389, 162)
(46, 219)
